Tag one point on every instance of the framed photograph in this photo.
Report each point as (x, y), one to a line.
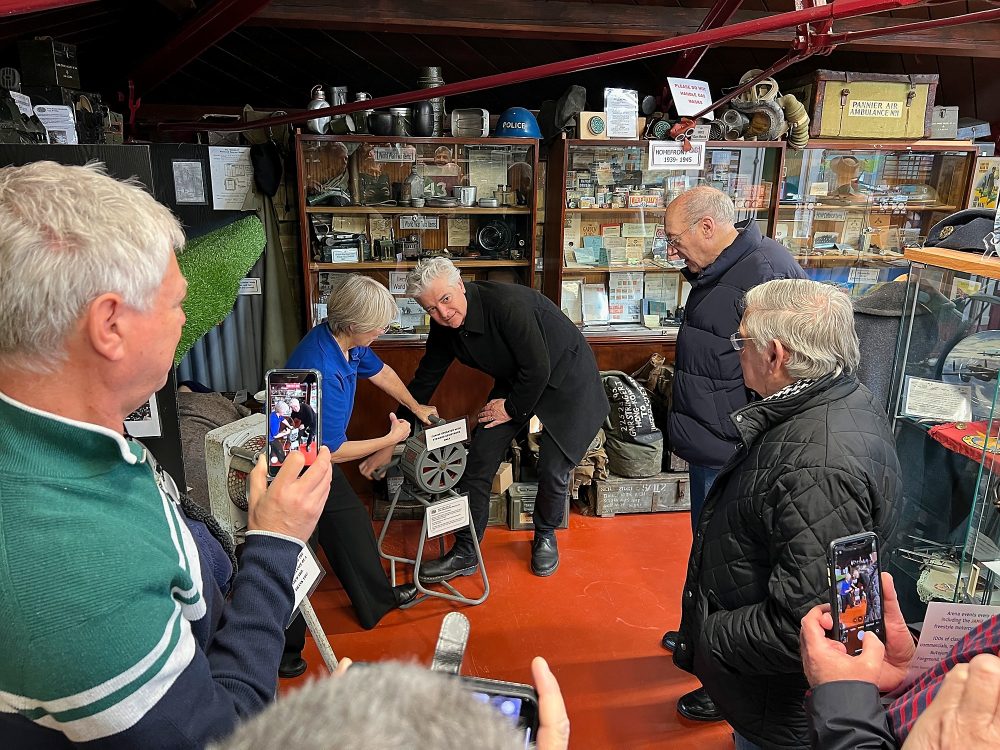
(145, 421)
(190, 182)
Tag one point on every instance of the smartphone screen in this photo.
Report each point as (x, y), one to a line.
(293, 416)
(856, 590)
(517, 703)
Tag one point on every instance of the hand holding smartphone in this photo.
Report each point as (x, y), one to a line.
(855, 590)
(293, 416)
(518, 703)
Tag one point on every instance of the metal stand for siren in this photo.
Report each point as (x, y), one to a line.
(429, 477)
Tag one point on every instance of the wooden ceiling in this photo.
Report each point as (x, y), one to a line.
(379, 46)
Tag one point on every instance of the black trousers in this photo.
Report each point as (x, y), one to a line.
(347, 538)
(485, 454)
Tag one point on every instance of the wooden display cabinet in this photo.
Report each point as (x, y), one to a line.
(356, 216)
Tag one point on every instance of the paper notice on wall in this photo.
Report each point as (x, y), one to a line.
(459, 232)
(232, 178)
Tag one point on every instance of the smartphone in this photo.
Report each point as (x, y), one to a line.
(855, 590)
(294, 420)
(517, 702)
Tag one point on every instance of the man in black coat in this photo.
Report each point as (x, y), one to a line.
(541, 365)
(723, 263)
(816, 461)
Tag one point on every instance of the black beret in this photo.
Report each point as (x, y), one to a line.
(963, 230)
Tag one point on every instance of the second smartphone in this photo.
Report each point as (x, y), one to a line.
(855, 590)
(293, 416)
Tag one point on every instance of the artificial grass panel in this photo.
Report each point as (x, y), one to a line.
(213, 265)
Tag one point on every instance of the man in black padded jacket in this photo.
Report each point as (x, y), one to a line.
(815, 461)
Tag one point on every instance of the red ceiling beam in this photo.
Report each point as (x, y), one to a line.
(718, 15)
(708, 38)
(196, 36)
(18, 7)
(850, 37)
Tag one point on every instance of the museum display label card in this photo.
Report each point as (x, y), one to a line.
(944, 624)
(446, 434)
(932, 399)
(448, 515)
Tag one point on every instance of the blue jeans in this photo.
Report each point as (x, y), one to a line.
(742, 743)
(702, 478)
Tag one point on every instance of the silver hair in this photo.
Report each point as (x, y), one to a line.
(69, 234)
(378, 707)
(282, 409)
(293, 402)
(814, 321)
(702, 201)
(429, 270)
(359, 304)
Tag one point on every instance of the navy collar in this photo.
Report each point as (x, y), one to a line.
(748, 238)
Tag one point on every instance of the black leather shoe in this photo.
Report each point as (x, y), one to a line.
(669, 640)
(697, 706)
(544, 555)
(291, 665)
(404, 594)
(454, 563)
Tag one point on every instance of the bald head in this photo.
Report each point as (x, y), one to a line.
(700, 225)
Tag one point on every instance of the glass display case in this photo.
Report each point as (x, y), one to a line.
(605, 260)
(849, 209)
(944, 410)
(376, 205)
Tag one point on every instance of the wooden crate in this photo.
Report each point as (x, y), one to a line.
(868, 106)
(657, 494)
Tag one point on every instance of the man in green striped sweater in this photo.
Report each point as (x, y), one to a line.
(113, 631)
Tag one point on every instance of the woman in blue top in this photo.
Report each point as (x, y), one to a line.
(359, 310)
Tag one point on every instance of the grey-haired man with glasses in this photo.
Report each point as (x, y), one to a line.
(723, 263)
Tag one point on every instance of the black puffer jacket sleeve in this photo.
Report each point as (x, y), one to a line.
(847, 715)
(763, 638)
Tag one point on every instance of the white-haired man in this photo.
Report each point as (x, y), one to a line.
(115, 631)
(541, 364)
(816, 461)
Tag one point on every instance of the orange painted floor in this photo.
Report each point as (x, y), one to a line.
(598, 621)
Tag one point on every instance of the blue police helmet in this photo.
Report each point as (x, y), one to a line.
(517, 122)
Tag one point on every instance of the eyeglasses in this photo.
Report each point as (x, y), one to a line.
(672, 242)
(739, 342)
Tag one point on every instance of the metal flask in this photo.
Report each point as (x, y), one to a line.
(423, 119)
(319, 125)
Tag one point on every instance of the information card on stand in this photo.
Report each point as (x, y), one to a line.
(448, 515)
(446, 434)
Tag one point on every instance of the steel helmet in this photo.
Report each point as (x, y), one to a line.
(517, 122)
